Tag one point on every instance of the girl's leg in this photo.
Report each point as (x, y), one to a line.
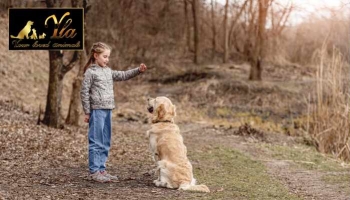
(96, 124)
(106, 139)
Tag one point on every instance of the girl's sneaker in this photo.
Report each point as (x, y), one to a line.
(110, 177)
(97, 176)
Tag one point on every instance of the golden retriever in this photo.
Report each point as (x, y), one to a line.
(174, 170)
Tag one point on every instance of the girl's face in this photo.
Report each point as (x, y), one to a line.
(102, 58)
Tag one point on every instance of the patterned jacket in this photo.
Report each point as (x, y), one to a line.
(97, 87)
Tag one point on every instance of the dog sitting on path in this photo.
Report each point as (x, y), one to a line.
(174, 170)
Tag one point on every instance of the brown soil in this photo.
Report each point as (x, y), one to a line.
(37, 162)
(43, 163)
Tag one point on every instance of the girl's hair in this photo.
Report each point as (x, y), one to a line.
(98, 48)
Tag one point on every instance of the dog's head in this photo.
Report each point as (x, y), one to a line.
(30, 23)
(162, 109)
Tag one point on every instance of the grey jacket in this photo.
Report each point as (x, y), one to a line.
(97, 87)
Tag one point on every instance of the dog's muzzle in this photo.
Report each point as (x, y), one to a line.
(150, 109)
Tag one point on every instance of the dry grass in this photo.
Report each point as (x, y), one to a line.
(329, 119)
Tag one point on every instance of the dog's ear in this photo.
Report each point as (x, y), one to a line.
(172, 111)
(161, 112)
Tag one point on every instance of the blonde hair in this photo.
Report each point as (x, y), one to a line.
(98, 48)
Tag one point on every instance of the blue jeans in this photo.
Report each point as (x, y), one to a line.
(100, 129)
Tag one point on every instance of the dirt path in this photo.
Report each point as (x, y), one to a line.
(306, 184)
(37, 162)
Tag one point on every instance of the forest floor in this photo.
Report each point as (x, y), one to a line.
(245, 140)
(242, 146)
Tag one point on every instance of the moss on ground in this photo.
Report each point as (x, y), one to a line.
(233, 175)
(304, 156)
(342, 181)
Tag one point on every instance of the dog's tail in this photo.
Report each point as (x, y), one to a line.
(196, 188)
(14, 36)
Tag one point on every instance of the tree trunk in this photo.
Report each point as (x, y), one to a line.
(213, 3)
(258, 56)
(52, 116)
(226, 53)
(255, 69)
(54, 93)
(213, 28)
(195, 11)
(187, 27)
(75, 109)
(234, 24)
(248, 45)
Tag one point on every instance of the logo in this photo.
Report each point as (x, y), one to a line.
(46, 29)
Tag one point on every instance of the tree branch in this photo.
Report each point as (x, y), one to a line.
(283, 25)
(234, 22)
(71, 64)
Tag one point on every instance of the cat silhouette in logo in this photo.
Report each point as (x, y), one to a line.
(34, 36)
(25, 31)
(42, 36)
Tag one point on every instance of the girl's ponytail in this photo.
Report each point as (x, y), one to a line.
(89, 62)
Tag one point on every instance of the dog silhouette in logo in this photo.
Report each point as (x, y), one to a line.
(25, 31)
(34, 36)
(42, 36)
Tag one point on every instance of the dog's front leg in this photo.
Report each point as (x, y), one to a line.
(155, 156)
(157, 172)
(158, 183)
(153, 171)
(153, 151)
(153, 147)
(147, 134)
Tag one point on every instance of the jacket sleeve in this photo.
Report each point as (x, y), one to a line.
(125, 75)
(85, 91)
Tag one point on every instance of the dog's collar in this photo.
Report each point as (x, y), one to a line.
(166, 121)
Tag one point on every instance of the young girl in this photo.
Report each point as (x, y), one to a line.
(97, 97)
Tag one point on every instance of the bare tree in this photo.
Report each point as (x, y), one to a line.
(257, 55)
(75, 109)
(57, 72)
(195, 12)
(278, 26)
(213, 6)
(187, 26)
(226, 51)
(234, 22)
(249, 26)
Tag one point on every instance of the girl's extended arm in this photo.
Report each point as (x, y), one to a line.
(85, 91)
(125, 75)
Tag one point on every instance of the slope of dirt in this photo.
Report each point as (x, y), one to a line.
(24, 75)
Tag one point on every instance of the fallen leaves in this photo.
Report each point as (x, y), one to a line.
(37, 162)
